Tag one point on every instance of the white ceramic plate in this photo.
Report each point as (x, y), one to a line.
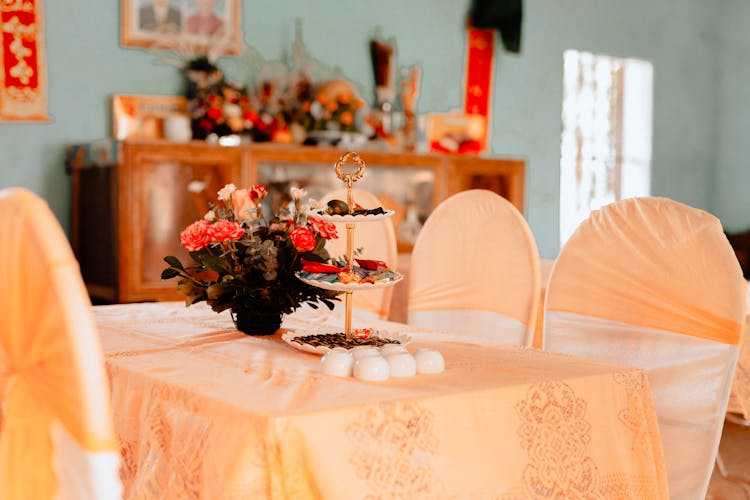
(351, 287)
(293, 338)
(320, 214)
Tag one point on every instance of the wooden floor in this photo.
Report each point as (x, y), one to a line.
(735, 453)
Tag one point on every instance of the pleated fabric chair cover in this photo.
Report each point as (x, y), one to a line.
(378, 241)
(56, 436)
(652, 283)
(475, 270)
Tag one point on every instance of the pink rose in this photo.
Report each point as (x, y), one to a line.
(303, 239)
(242, 204)
(258, 192)
(226, 230)
(196, 236)
(326, 229)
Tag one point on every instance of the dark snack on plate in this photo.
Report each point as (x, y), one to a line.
(337, 207)
(339, 339)
(340, 207)
(368, 211)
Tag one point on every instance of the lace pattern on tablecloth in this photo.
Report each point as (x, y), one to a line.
(394, 446)
(169, 444)
(556, 435)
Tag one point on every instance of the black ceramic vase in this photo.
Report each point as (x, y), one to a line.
(253, 322)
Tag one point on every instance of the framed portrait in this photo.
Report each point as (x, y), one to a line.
(183, 25)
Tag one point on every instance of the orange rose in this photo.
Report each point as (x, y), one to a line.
(226, 230)
(326, 229)
(196, 236)
(303, 239)
(242, 204)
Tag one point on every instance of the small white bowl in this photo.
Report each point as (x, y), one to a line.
(364, 351)
(372, 368)
(429, 361)
(338, 362)
(389, 349)
(402, 364)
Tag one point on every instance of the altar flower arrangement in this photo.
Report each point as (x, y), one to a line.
(246, 262)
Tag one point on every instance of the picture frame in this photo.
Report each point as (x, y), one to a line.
(139, 116)
(197, 26)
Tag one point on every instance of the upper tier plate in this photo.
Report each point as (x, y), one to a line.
(350, 287)
(320, 213)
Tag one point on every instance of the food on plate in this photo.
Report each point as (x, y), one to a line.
(339, 339)
(319, 267)
(340, 207)
(372, 265)
(367, 271)
(337, 207)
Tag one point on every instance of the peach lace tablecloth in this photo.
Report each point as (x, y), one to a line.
(203, 411)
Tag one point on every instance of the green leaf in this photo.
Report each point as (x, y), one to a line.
(214, 292)
(319, 245)
(169, 273)
(214, 262)
(313, 257)
(174, 262)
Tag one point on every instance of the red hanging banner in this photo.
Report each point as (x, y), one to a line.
(23, 82)
(479, 73)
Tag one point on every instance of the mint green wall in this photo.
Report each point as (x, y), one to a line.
(731, 188)
(680, 37)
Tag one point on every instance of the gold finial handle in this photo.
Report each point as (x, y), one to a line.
(350, 177)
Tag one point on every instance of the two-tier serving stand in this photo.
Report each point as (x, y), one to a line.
(349, 176)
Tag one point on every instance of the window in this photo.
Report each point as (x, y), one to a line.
(606, 134)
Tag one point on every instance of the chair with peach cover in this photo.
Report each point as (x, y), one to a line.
(475, 270)
(378, 242)
(56, 437)
(653, 283)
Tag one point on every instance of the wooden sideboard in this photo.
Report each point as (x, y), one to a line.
(129, 205)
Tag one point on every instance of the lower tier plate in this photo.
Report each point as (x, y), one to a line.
(321, 343)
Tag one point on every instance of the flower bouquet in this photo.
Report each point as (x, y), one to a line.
(246, 262)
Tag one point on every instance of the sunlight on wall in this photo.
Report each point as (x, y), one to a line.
(606, 138)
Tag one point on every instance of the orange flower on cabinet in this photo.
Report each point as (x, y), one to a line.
(346, 118)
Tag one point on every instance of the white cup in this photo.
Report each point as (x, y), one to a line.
(177, 128)
(429, 361)
(402, 364)
(388, 349)
(372, 368)
(337, 362)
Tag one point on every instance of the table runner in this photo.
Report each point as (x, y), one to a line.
(203, 411)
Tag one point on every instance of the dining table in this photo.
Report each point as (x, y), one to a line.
(204, 411)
